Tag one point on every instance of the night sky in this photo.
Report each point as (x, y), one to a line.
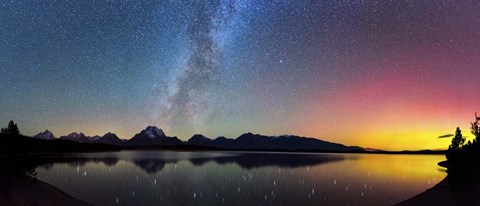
(382, 74)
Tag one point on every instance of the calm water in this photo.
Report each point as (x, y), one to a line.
(215, 178)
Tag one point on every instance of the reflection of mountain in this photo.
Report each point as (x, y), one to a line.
(75, 161)
(150, 165)
(256, 160)
(244, 160)
(111, 161)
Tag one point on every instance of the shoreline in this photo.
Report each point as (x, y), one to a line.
(437, 195)
(36, 192)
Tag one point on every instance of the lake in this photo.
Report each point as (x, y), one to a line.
(241, 178)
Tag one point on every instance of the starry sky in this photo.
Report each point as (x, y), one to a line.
(383, 74)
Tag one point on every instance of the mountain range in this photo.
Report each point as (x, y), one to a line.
(108, 138)
(153, 136)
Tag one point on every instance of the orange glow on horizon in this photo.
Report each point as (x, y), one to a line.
(390, 111)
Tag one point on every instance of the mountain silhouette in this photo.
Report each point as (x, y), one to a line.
(223, 142)
(47, 135)
(151, 136)
(199, 139)
(77, 137)
(110, 138)
(95, 138)
(285, 142)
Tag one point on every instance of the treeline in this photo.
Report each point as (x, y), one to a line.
(461, 154)
(12, 142)
(463, 163)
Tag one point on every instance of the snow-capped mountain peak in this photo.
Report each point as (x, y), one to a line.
(45, 135)
(152, 132)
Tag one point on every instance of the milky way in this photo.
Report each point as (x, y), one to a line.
(378, 74)
(205, 25)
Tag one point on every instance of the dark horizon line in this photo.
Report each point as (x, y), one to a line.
(366, 149)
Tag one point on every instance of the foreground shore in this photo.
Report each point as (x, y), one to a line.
(41, 193)
(35, 193)
(437, 195)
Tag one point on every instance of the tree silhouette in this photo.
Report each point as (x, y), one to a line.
(457, 142)
(475, 128)
(11, 129)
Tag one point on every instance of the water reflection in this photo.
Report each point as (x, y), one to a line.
(204, 178)
(153, 164)
(256, 160)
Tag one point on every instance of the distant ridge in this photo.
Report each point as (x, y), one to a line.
(251, 141)
(108, 138)
(152, 136)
